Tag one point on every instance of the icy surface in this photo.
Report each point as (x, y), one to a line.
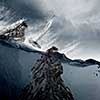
(16, 64)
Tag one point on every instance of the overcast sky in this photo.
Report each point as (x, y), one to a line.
(76, 25)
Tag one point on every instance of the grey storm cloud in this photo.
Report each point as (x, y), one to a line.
(77, 21)
(24, 8)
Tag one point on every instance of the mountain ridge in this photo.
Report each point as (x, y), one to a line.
(61, 56)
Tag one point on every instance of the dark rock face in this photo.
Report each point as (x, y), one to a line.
(46, 83)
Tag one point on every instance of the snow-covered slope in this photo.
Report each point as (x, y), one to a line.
(15, 73)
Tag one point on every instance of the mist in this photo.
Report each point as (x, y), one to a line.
(76, 25)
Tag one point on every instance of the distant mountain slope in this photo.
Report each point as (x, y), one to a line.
(77, 62)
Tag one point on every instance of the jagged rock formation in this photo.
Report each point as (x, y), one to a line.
(15, 31)
(46, 83)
